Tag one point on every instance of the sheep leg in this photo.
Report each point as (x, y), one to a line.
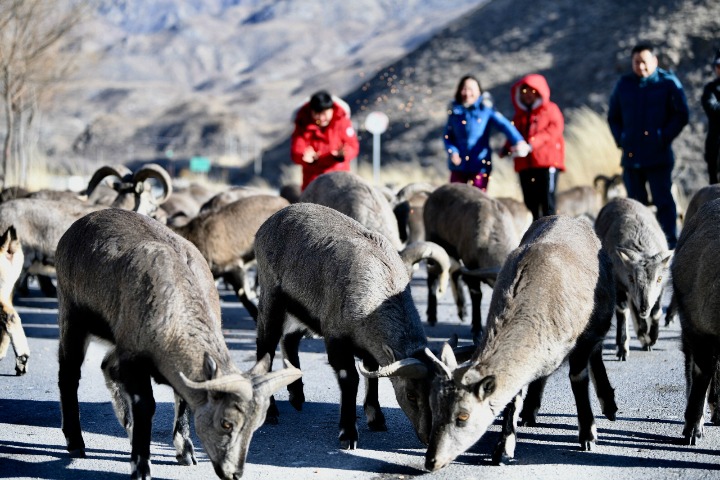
(136, 382)
(533, 399)
(603, 388)
(476, 302)
(622, 339)
(504, 451)
(290, 344)
(373, 413)
(580, 382)
(714, 395)
(120, 400)
(238, 280)
(432, 280)
(671, 312)
(458, 292)
(71, 354)
(695, 409)
(340, 356)
(11, 332)
(654, 329)
(269, 331)
(184, 449)
(46, 286)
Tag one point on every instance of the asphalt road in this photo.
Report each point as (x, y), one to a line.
(644, 442)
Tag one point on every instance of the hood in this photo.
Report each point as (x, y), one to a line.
(536, 81)
(340, 110)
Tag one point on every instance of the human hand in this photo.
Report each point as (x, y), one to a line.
(310, 155)
(339, 154)
(455, 158)
(521, 149)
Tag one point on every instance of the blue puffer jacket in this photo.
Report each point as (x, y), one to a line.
(468, 133)
(645, 116)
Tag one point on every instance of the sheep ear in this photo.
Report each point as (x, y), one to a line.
(448, 356)
(261, 367)
(666, 259)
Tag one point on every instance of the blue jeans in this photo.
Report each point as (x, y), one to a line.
(659, 179)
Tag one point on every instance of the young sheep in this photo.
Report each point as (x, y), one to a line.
(225, 238)
(695, 273)
(632, 236)
(128, 280)
(475, 229)
(347, 283)
(553, 299)
(11, 331)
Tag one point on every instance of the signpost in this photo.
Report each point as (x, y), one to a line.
(376, 123)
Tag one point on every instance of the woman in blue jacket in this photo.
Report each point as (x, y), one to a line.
(471, 120)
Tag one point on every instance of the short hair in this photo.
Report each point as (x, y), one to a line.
(460, 85)
(641, 47)
(321, 101)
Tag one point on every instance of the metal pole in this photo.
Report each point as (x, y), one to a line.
(376, 158)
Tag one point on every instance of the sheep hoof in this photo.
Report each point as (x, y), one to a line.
(692, 435)
(348, 441)
(296, 398)
(501, 457)
(587, 445)
(715, 417)
(77, 453)
(140, 468)
(622, 356)
(187, 457)
(647, 348)
(21, 365)
(348, 444)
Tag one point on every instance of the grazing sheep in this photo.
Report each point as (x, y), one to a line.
(632, 236)
(128, 280)
(350, 194)
(11, 331)
(348, 284)
(695, 274)
(553, 300)
(475, 229)
(225, 239)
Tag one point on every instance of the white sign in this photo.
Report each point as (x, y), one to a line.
(376, 122)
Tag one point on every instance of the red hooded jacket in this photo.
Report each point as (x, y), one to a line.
(339, 133)
(542, 126)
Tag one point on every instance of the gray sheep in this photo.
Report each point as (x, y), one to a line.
(632, 236)
(553, 300)
(225, 238)
(695, 275)
(348, 284)
(475, 229)
(128, 280)
(11, 331)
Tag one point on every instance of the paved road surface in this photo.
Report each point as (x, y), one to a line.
(642, 443)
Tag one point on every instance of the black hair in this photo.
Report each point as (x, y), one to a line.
(460, 85)
(321, 101)
(641, 47)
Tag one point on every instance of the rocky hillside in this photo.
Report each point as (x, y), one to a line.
(581, 47)
(220, 77)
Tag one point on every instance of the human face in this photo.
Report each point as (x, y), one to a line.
(470, 92)
(644, 63)
(528, 95)
(322, 119)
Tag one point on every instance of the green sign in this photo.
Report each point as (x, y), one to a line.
(200, 164)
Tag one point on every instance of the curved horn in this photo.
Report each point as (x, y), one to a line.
(233, 383)
(153, 170)
(417, 251)
(407, 367)
(411, 189)
(119, 171)
(269, 383)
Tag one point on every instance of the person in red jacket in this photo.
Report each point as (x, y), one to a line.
(541, 123)
(324, 139)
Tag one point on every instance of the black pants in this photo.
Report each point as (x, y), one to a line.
(659, 180)
(712, 156)
(538, 186)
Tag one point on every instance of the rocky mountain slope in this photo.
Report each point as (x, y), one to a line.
(581, 47)
(220, 77)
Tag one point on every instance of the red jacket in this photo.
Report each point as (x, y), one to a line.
(542, 126)
(339, 133)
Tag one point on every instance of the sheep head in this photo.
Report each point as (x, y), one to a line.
(236, 406)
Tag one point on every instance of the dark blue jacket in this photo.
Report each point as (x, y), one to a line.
(645, 116)
(468, 133)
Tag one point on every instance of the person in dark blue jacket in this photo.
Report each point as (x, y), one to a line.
(647, 110)
(471, 120)
(711, 104)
